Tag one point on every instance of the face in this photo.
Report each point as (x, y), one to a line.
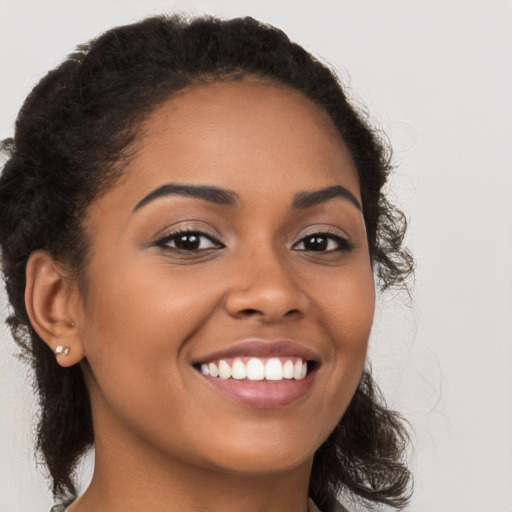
(233, 244)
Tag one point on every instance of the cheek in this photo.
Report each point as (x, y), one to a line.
(346, 310)
(136, 332)
(347, 306)
(136, 319)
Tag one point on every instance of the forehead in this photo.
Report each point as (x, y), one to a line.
(248, 135)
(244, 103)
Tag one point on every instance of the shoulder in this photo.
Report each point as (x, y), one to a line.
(314, 508)
(61, 507)
(340, 508)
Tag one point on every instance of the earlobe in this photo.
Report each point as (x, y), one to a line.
(50, 299)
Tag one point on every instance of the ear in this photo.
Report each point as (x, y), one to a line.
(52, 300)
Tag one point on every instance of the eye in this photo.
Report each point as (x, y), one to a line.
(323, 242)
(188, 241)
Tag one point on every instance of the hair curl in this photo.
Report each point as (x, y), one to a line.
(72, 138)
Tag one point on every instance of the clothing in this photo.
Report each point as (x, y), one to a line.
(314, 508)
(62, 506)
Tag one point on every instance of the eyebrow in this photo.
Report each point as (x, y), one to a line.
(315, 197)
(205, 192)
(226, 197)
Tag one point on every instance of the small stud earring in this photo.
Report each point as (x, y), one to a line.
(61, 350)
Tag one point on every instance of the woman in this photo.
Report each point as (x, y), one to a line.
(192, 219)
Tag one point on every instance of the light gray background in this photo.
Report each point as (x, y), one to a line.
(437, 76)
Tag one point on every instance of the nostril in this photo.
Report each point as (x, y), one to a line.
(256, 312)
(292, 312)
(266, 304)
(250, 312)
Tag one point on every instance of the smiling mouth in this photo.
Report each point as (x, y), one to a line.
(257, 369)
(260, 373)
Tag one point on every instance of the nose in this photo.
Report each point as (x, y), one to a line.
(264, 287)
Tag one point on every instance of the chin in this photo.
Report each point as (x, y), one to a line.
(262, 464)
(270, 453)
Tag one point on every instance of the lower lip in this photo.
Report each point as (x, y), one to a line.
(261, 394)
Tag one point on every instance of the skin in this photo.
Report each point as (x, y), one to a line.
(165, 440)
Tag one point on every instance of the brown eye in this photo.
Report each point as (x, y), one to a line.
(316, 243)
(323, 242)
(188, 241)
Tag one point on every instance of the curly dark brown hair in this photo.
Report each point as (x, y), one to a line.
(73, 136)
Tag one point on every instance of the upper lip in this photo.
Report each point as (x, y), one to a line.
(261, 348)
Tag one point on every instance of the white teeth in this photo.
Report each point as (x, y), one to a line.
(224, 370)
(274, 369)
(288, 369)
(214, 372)
(297, 370)
(238, 370)
(255, 369)
(304, 369)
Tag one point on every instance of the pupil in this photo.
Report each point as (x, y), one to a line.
(187, 242)
(316, 243)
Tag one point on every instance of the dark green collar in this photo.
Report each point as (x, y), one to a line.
(62, 506)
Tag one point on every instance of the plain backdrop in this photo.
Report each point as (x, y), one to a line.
(437, 78)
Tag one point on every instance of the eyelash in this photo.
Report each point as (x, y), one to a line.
(175, 235)
(343, 244)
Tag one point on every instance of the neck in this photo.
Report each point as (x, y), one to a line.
(147, 479)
